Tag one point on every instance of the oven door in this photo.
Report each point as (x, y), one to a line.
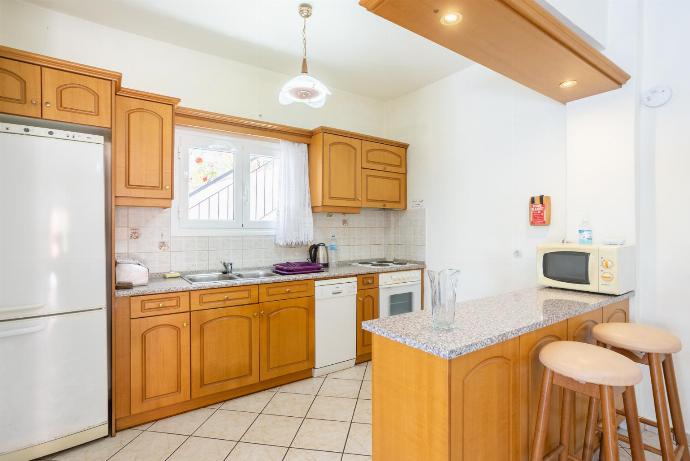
(400, 298)
(571, 268)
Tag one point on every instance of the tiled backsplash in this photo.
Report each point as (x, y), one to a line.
(144, 234)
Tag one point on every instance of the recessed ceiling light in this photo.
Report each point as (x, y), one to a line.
(451, 18)
(568, 83)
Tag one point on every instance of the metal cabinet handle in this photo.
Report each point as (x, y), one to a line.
(47, 104)
(288, 290)
(226, 297)
(185, 324)
(160, 304)
(34, 102)
(167, 187)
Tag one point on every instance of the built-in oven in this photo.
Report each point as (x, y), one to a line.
(400, 292)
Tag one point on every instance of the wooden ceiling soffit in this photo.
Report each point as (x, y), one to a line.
(60, 64)
(213, 121)
(517, 38)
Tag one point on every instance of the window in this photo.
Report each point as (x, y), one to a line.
(224, 183)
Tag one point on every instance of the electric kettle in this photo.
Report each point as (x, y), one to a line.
(318, 253)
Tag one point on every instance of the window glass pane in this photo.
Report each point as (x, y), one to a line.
(262, 188)
(211, 181)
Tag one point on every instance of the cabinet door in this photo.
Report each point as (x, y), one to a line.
(381, 189)
(484, 409)
(20, 88)
(377, 156)
(342, 171)
(367, 309)
(531, 372)
(75, 98)
(580, 329)
(618, 312)
(287, 337)
(143, 149)
(159, 361)
(225, 349)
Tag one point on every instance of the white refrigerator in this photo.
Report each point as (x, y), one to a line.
(53, 292)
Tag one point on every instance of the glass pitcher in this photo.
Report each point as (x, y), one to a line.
(444, 286)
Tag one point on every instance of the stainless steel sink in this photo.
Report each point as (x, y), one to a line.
(217, 277)
(257, 274)
(209, 278)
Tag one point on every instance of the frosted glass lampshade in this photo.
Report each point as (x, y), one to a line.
(304, 88)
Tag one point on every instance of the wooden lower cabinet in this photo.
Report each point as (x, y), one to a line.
(618, 312)
(367, 309)
(225, 349)
(287, 336)
(159, 361)
(531, 371)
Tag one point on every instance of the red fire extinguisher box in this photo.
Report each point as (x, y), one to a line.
(540, 210)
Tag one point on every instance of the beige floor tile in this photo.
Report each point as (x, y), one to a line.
(359, 439)
(651, 438)
(306, 386)
(285, 404)
(143, 427)
(98, 450)
(200, 449)
(356, 372)
(332, 408)
(150, 446)
(367, 374)
(362, 412)
(351, 457)
(184, 423)
(297, 454)
(252, 402)
(226, 424)
(365, 392)
(316, 434)
(340, 388)
(273, 430)
(252, 452)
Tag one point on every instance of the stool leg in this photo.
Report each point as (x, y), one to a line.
(590, 430)
(674, 403)
(609, 446)
(542, 427)
(661, 407)
(632, 420)
(566, 423)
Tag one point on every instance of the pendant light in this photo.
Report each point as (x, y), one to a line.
(304, 88)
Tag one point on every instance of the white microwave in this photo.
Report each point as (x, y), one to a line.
(608, 269)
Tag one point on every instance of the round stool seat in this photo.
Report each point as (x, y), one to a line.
(590, 364)
(637, 337)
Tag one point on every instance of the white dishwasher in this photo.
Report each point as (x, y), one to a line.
(336, 325)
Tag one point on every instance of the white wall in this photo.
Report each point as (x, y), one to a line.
(664, 210)
(480, 146)
(587, 17)
(201, 80)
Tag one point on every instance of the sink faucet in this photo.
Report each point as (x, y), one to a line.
(228, 267)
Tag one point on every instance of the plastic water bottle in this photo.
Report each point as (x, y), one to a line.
(584, 233)
(332, 250)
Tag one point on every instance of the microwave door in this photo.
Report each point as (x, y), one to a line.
(567, 267)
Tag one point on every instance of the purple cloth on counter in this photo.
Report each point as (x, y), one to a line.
(303, 267)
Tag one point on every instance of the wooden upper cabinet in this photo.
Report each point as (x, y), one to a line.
(367, 309)
(381, 189)
(143, 151)
(378, 156)
(76, 98)
(159, 361)
(225, 349)
(342, 170)
(20, 88)
(287, 337)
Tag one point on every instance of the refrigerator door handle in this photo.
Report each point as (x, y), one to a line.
(35, 328)
(26, 307)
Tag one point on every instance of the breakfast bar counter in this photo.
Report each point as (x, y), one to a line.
(471, 393)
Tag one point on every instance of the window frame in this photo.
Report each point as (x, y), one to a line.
(186, 138)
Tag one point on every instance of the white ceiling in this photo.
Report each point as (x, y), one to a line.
(348, 47)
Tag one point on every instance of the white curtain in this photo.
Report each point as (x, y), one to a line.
(295, 225)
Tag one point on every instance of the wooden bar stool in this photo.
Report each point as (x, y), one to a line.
(598, 373)
(653, 347)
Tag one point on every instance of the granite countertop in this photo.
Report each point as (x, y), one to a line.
(158, 284)
(484, 322)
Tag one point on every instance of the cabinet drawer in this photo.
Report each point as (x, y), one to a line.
(161, 303)
(364, 282)
(286, 290)
(224, 297)
(377, 156)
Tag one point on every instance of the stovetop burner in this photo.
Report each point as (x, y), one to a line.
(382, 263)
